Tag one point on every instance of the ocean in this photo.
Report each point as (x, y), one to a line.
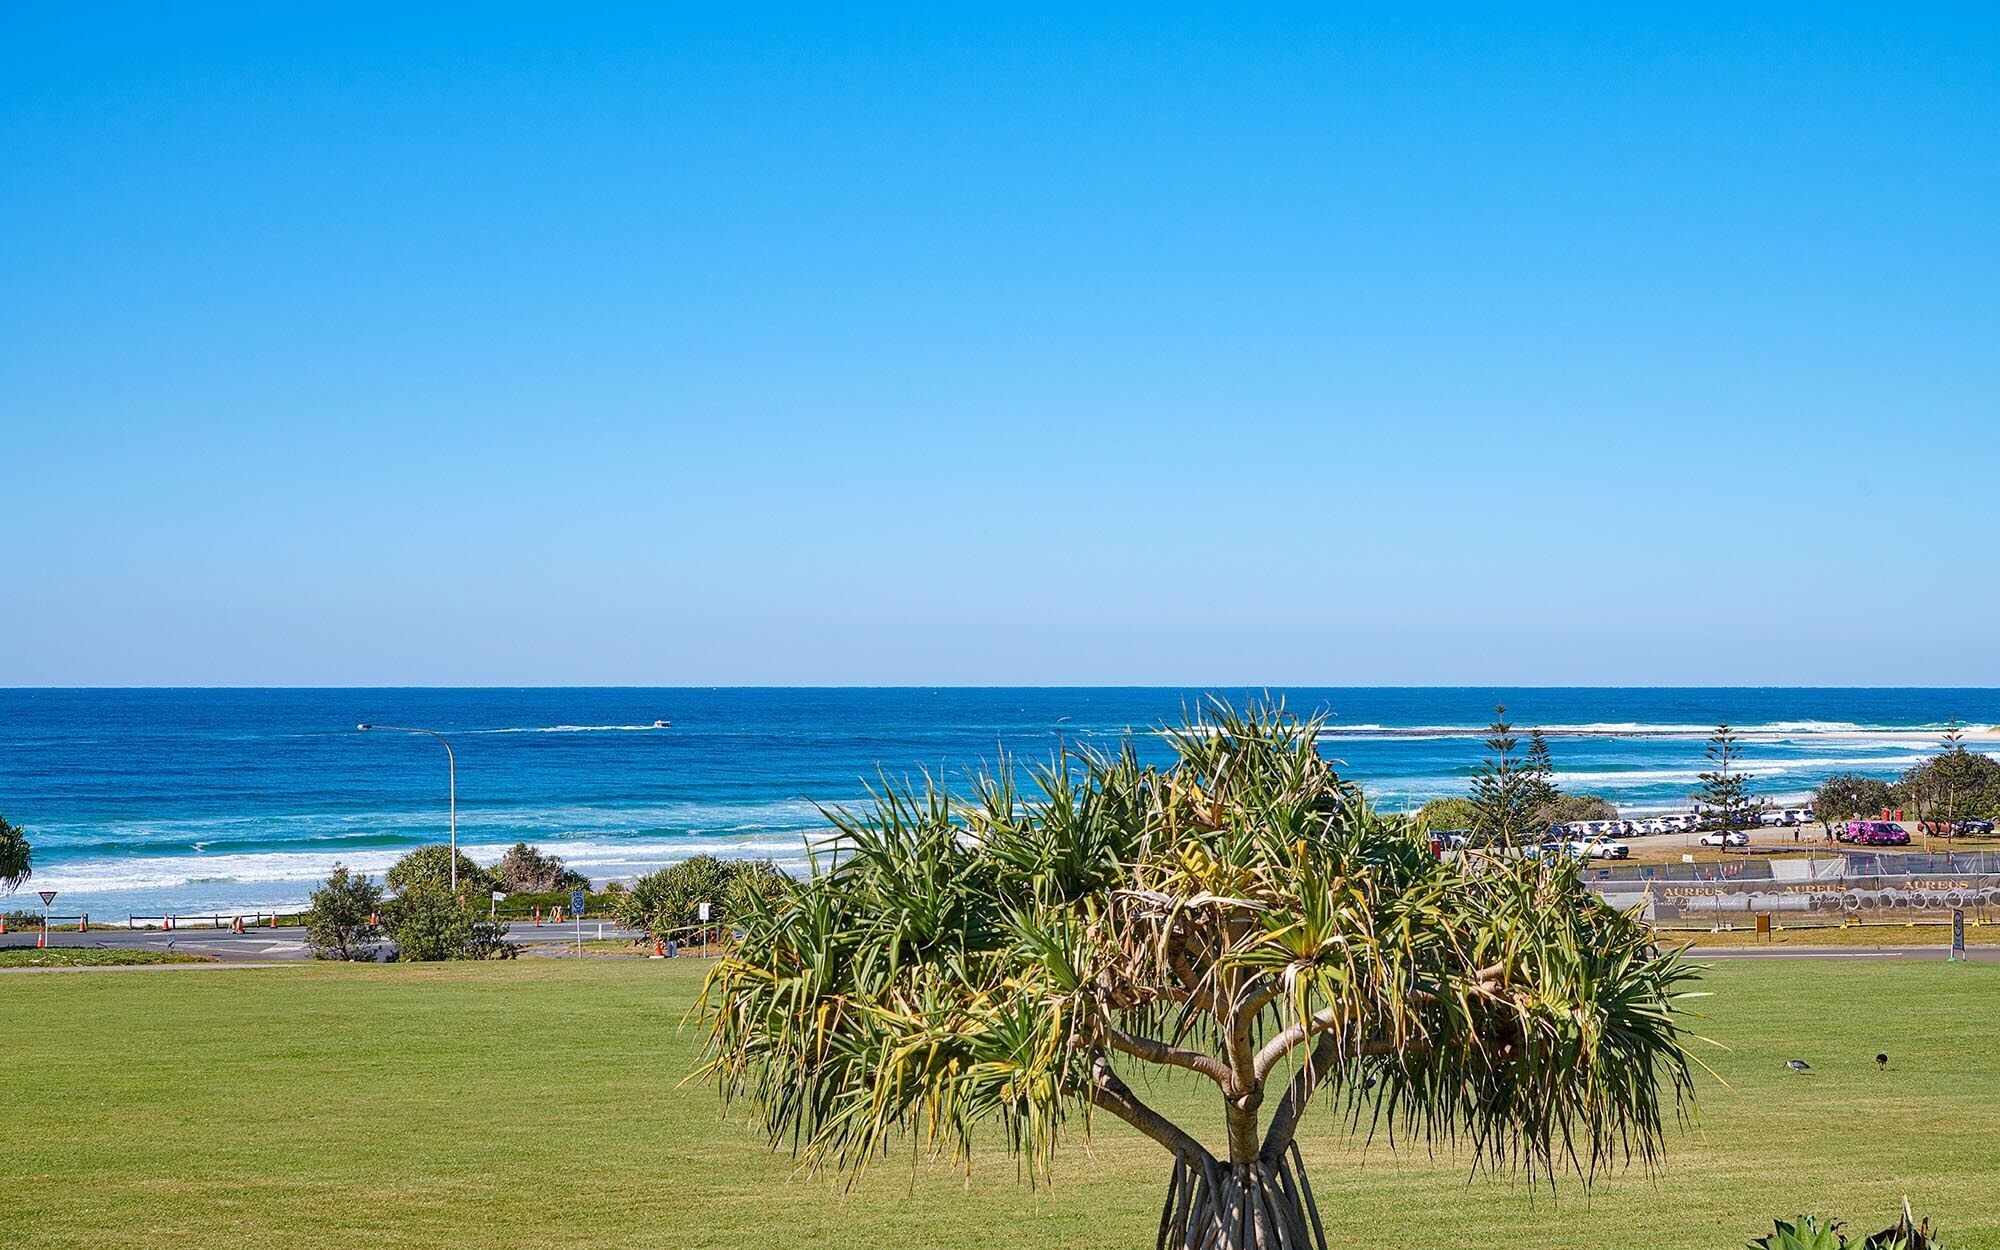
(144, 801)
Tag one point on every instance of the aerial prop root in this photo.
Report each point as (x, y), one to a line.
(1264, 1205)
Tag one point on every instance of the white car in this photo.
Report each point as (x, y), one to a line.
(1725, 837)
(1602, 848)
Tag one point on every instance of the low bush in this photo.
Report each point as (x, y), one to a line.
(1807, 1233)
(1446, 814)
(428, 922)
(433, 864)
(526, 869)
(670, 899)
(16, 857)
(340, 923)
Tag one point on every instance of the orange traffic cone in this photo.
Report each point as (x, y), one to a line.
(42, 938)
(659, 949)
(538, 916)
(3, 924)
(83, 923)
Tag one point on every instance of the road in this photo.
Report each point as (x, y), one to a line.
(263, 945)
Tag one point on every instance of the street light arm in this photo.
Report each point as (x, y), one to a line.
(451, 769)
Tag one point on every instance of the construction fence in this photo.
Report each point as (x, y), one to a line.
(1828, 896)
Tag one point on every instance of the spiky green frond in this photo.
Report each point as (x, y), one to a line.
(1241, 913)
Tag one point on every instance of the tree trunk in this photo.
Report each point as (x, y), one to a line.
(1255, 1206)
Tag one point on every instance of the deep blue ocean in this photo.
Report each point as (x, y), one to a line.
(142, 801)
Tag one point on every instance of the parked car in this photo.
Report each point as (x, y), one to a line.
(1725, 837)
(1975, 827)
(1874, 833)
(1601, 848)
(1451, 839)
(1786, 817)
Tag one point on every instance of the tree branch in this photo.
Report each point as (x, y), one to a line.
(1284, 1040)
(1306, 1082)
(1487, 982)
(1107, 1092)
(1298, 1093)
(1155, 1051)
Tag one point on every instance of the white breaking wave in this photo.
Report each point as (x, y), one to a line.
(600, 860)
(566, 729)
(1772, 731)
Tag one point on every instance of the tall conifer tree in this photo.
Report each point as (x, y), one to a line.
(1503, 789)
(1723, 798)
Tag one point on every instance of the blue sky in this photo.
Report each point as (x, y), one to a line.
(501, 345)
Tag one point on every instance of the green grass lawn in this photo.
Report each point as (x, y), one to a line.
(90, 957)
(537, 1104)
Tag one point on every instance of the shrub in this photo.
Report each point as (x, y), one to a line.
(1847, 794)
(525, 870)
(1569, 807)
(670, 899)
(433, 864)
(1807, 1233)
(429, 922)
(1446, 814)
(340, 923)
(15, 855)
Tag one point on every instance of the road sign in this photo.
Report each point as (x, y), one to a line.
(1957, 934)
(576, 903)
(704, 913)
(49, 896)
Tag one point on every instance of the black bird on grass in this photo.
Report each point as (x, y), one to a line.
(1798, 1065)
(1881, 1062)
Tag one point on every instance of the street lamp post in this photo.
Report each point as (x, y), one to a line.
(451, 770)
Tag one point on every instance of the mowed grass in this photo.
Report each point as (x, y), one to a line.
(538, 1104)
(90, 957)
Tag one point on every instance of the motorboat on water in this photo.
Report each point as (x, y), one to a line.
(663, 724)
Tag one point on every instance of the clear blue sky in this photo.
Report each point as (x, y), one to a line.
(514, 346)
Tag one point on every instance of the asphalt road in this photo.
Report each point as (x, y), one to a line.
(263, 945)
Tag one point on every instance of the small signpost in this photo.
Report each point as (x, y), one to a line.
(493, 908)
(576, 907)
(703, 910)
(1957, 936)
(49, 896)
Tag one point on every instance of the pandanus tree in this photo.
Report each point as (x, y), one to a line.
(1241, 919)
(16, 857)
